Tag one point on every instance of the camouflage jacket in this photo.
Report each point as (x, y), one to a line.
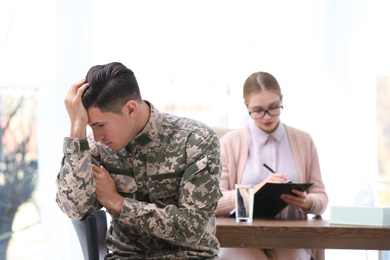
(169, 175)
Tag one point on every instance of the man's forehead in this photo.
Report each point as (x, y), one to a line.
(95, 116)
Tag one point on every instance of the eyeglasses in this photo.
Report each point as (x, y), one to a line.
(274, 111)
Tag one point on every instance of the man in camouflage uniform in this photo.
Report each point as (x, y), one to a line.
(155, 173)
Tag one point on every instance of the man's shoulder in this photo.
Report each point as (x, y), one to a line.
(186, 125)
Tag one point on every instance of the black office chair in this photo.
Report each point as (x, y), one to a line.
(91, 231)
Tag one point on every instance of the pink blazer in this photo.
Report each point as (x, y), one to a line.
(234, 153)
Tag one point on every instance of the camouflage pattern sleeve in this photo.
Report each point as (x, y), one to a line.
(75, 182)
(189, 219)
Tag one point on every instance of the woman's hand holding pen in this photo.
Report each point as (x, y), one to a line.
(273, 178)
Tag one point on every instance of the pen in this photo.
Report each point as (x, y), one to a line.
(266, 166)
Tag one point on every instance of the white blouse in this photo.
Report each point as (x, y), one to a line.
(274, 150)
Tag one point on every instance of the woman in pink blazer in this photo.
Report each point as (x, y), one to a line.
(289, 152)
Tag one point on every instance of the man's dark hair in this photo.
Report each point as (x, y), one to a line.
(110, 87)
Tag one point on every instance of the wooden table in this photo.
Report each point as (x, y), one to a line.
(312, 233)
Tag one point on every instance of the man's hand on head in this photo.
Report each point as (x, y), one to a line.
(76, 110)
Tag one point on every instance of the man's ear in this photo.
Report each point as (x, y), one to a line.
(130, 108)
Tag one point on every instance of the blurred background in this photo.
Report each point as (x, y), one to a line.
(191, 58)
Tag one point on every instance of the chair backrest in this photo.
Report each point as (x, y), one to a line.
(91, 231)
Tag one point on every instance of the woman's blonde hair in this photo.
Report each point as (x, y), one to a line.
(260, 81)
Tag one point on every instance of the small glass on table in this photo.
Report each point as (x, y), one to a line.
(244, 202)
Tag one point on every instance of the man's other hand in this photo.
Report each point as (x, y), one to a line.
(106, 192)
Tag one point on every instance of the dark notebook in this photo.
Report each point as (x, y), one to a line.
(267, 202)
